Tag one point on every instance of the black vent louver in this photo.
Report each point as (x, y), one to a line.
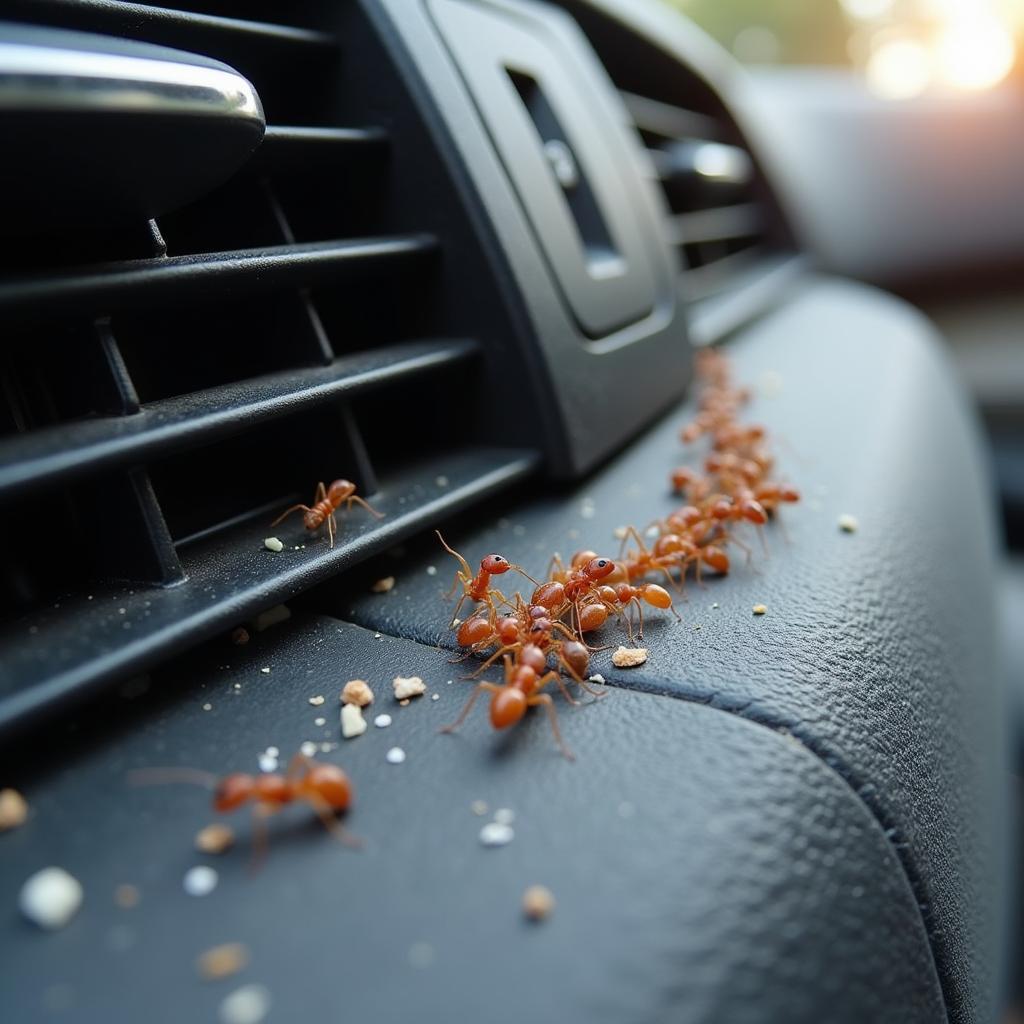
(168, 386)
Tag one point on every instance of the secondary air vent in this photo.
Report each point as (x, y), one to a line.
(167, 387)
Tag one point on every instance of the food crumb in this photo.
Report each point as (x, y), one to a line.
(441, 481)
(246, 1005)
(848, 523)
(714, 604)
(435, 696)
(404, 703)
(222, 961)
(538, 902)
(240, 636)
(377, 636)
(352, 722)
(271, 617)
(357, 691)
(382, 721)
(760, 609)
(13, 809)
(273, 544)
(494, 833)
(268, 763)
(50, 898)
(307, 748)
(317, 700)
(207, 707)
(596, 678)
(431, 570)
(383, 585)
(405, 688)
(319, 721)
(215, 838)
(265, 670)
(127, 896)
(479, 807)
(629, 657)
(396, 755)
(200, 880)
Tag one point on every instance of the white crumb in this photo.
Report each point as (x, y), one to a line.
(382, 721)
(848, 523)
(441, 481)
(596, 678)
(200, 880)
(405, 688)
(629, 657)
(265, 670)
(352, 722)
(396, 755)
(274, 751)
(50, 898)
(431, 570)
(479, 807)
(207, 707)
(273, 544)
(317, 700)
(435, 696)
(246, 1005)
(308, 748)
(319, 721)
(494, 833)
(268, 763)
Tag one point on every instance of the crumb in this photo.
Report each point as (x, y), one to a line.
(396, 755)
(273, 752)
(222, 961)
(441, 481)
(494, 833)
(596, 678)
(265, 670)
(848, 523)
(200, 880)
(215, 838)
(479, 807)
(377, 636)
(714, 604)
(246, 1005)
(273, 544)
(207, 707)
(431, 570)
(127, 896)
(319, 721)
(504, 816)
(382, 586)
(357, 691)
(307, 748)
(538, 902)
(240, 636)
(413, 686)
(435, 696)
(317, 700)
(382, 721)
(352, 722)
(760, 609)
(268, 763)
(404, 703)
(629, 657)
(50, 898)
(13, 809)
(271, 617)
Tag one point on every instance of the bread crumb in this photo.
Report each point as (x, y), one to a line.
(273, 544)
(200, 880)
(307, 748)
(50, 898)
(317, 700)
(13, 809)
(357, 691)
(404, 703)
(396, 755)
(629, 657)
(246, 1005)
(848, 523)
(382, 586)
(405, 688)
(479, 807)
(215, 838)
(538, 902)
(494, 833)
(319, 721)
(265, 670)
(760, 609)
(240, 636)
(222, 961)
(352, 722)
(382, 721)
(127, 896)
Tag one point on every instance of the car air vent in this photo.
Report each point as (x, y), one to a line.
(168, 386)
(734, 247)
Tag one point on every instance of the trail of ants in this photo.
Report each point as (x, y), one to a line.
(542, 641)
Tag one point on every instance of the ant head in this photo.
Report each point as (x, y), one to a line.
(232, 791)
(598, 568)
(330, 784)
(495, 565)
(340, 490)
(508, 705)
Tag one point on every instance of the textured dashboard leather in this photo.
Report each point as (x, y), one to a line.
(877, 649)
(706, 869)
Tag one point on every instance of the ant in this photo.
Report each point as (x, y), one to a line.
(509, 702)
(478, 588)
(325, 787)
(326, 502)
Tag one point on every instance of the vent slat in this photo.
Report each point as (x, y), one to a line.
(114, 286)
(169, 27)
(668, 121)
(85, 448)
(65, 654)
(287, 146)
(716, 224)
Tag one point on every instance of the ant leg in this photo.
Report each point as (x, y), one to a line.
(549, 705)
(522, 572)
(469, 706)
(554, 676)
(332, 528)
(326, 814)
(294, 508)
(451, 551)
(359, 501)
(321, 493)
(493, 658)
(631, 532)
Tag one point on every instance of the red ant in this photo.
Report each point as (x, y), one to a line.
(325, 787)
(509, 702)
(326, 502)
(478, 588)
